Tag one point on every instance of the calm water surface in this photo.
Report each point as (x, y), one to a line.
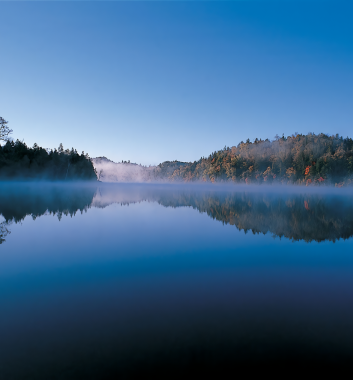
(122, 281)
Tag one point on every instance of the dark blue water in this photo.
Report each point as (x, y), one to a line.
(124, 281)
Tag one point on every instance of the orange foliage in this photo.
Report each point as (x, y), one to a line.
(306, 205)
(307, 170)
(290, 171)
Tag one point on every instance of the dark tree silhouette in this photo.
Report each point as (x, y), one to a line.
(4, 129)
(18, 161)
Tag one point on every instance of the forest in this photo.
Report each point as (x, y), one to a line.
(298, 159)
(18, 161)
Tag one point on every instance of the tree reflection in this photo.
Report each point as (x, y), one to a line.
(300, 216)
(4, 231)
(305, 217)
(20, 200)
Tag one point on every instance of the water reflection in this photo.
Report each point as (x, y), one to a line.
(296, 216)
(4, 231)
(157, 288)
(20, 200)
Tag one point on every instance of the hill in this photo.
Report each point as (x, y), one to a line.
(297, 159)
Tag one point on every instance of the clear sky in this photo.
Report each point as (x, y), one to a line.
(155, 81)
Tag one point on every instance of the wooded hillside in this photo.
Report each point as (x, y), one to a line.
(301, 159)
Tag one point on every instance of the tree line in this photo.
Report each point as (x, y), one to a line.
(18, 161)
(297, 159)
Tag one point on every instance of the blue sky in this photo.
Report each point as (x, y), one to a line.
(155, 81)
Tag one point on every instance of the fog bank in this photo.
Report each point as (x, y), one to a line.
(109, 171)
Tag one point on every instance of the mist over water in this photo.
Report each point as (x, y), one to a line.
(118, 280)
(291, 212)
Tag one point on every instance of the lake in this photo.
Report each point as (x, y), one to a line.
(119, 281)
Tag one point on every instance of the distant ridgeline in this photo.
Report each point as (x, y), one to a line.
(18, 161)
(301, 159)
